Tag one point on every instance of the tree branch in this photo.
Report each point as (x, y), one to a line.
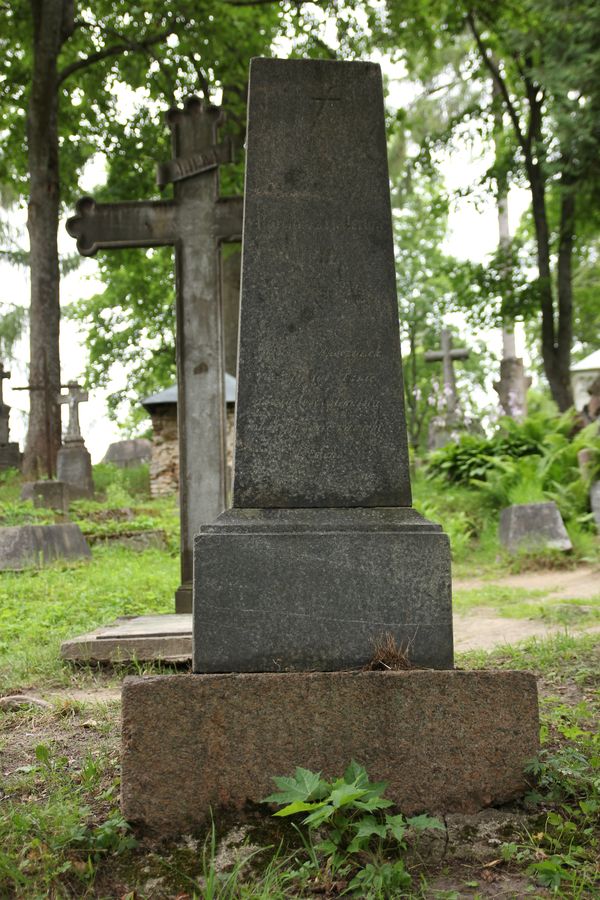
(495, 71)
(115, 50)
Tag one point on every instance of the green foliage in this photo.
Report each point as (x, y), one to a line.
(134, 481)
(58, 837)
(525, 462)
(39, 608)
(357, 838)
(425, 278)
(562, 852)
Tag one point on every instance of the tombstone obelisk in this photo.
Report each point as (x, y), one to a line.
(329, 554)
(321, 552)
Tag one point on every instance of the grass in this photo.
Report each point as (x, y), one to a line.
(61, 833)
(41, 608)
(528, 603)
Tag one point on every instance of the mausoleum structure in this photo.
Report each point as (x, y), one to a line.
(164, 461)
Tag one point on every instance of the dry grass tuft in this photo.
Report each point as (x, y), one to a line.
(387, 655)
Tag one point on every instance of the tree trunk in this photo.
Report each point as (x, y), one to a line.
(565, 291)
(52, 24)
(556, 363)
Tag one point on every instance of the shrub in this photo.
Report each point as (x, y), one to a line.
(130, 482)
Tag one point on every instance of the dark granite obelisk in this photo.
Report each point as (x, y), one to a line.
(321, 554)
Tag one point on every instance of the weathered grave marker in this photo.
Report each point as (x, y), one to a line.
(533, 527)
(196, 222)
(73, 461)
(128, 454)
(23, 546)
(10, 455)
(447, 355)
(328, 552)
(442, 426)
(321, 459)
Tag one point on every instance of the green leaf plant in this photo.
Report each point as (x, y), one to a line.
(352, 837)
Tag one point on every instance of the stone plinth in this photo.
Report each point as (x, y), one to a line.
(445, 741)
(533, 527)
(51, 495)
(74, 467)
(35, 545)
(314, 588)
(10, 456)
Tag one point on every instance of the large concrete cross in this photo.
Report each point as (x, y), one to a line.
(75, 396)
(447, 355)
(196, 222)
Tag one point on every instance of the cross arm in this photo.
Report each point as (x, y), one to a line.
(433, 356)
(146, 223)
(229, 216)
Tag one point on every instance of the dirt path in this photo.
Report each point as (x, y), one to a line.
(481, 631)
(581, 583)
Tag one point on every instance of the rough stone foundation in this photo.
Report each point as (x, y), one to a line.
(445, 741)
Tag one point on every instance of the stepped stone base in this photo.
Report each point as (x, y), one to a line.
(445, 741)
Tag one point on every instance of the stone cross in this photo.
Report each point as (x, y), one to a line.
(447, 355)
(73, 398)
(330, 557)
(3, 374)
(196, 222)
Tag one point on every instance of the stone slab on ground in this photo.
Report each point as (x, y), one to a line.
(134, 540)
(161, 637)
(445, 741)
(23, 546)
(533, 526)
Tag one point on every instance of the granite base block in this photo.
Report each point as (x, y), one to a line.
(445, 741)
(314, 589)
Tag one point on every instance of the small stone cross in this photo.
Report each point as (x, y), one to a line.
(75, 396)
(447, 355)
(3, 374)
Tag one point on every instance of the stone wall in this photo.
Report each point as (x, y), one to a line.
(164, 465)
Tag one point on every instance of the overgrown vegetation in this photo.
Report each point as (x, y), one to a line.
(353, 844)
(61, 833)
(466, 484)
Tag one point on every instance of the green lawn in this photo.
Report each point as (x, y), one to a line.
(61, 833)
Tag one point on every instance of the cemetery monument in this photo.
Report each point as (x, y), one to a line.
(10, 455)
(196, 222)
(73, 462)
(531, 527)
(443, 426)
(321, 554)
